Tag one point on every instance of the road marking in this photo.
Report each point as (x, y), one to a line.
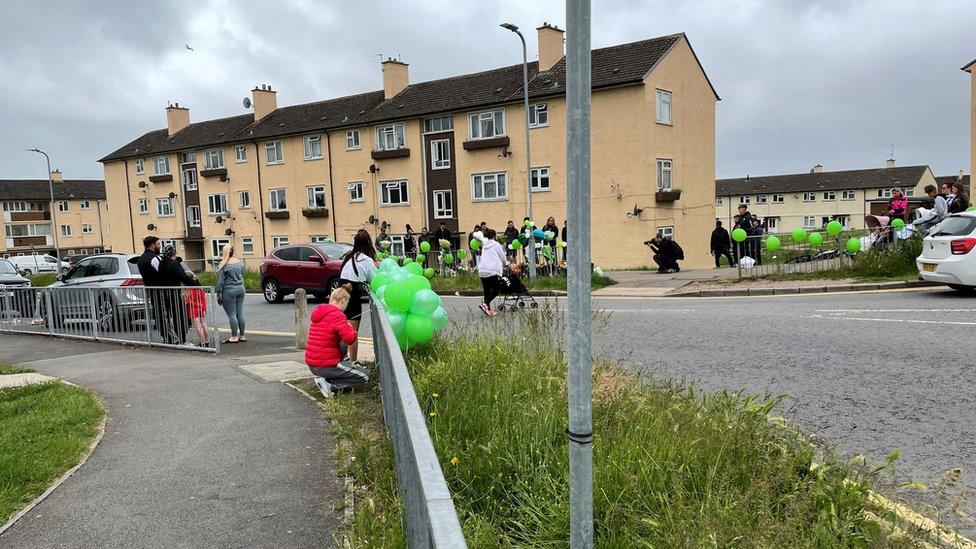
(909, 321)
(896, 310)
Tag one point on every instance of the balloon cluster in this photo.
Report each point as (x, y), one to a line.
(414, 310)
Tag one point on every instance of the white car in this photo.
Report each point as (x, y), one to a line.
(34, 264)
(948, 254)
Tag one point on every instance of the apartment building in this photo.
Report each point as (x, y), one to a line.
(811, 200)
(448, 150)
(32, 224)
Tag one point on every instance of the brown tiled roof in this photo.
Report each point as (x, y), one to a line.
(612, 66)
(940, 179)
(37, 189)
(823, 181)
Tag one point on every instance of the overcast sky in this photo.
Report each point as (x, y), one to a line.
(834, 81)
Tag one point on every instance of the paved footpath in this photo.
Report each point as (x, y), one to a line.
(196, 453)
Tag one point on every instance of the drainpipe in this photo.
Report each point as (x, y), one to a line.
(101, 230)
(257, 162)
(128, 197)
(328, 146)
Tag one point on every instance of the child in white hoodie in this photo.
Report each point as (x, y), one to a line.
(493, 260)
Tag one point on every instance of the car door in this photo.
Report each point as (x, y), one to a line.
(287, 270)
(70, 300)
(311, 274)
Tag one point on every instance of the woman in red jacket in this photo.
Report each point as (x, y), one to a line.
(329, 336)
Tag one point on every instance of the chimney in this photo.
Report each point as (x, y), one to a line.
(550, 46)
(56, 175)
(817, 169)
(177, 118)
(264, 100)
(960, 175)
(395, 77)
(890, 163)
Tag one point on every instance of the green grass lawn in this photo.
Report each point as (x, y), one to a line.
(471, 281)
(45, 279)
(45, 429)
(6, 369)
(252, 279)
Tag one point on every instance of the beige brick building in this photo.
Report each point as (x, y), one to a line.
(447, 150)
(76, 221)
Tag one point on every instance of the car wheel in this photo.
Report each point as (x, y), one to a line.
(272, 291)
(965, 290)
(28, 272)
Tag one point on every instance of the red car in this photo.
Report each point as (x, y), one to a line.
(314, 267)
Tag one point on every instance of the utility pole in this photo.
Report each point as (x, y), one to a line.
(580, 382)
(50, 188)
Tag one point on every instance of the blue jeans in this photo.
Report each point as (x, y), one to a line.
(233, 303)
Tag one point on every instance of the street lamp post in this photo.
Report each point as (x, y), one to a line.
(528, 154)
(50, 188)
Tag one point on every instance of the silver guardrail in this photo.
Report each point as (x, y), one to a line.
(428, 509)
(178, 318)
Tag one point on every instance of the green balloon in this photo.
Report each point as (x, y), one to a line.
(414, 268)
(380, 255)
(421, 258)
(379, 280)
(424, 302)
(853, 245)
(815, 239)
(439, 318)
(407, 260)
(528, 223)
(898, 223)
(799, 235)
(738, 234)
(516, 244)
(398, 297)
(398, 276)
(772, 243)
(462, 254)
(448, 259)
(429, 272)
(417, 283)
(419, 329)
(834, 228)
(397, 321)
(475, 244)
(380, 292)
(388, 264)
(425, 246)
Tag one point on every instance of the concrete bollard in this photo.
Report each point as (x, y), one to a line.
(301, 319)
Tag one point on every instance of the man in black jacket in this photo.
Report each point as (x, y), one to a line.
(720, 244)
(442, 233)
(745, 223)
(149, 264)
(667, 252)
(174, 277)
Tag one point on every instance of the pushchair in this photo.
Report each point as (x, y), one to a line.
(514, 294)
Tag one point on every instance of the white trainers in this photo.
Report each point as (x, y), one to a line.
(324, 387)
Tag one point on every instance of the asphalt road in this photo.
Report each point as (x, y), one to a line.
(866, 373)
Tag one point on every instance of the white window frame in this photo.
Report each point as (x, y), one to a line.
(665, 174)
(86, 228)
(244, 200)
(217, 246)
(403, 189)
(772, 224)
(240, 154)
(443, 124)
(62, 206)
(353, 140)
(164, 207)
(539, 115)
(761, 199)
(190, 179)
(319, 239)
(280, 240)
(718, 200)
(311, 192)
(140, 166)
(156, 165)
(215, 200)
(844, 219)
(848, 195)
(666, 231)
(440, 154)
(476, 119)
(809, 196)
(745, 199)
(274, 152)
(213, 159)
(779, 198)
(829, 196)
(809, 222)
(391, 137)
(663, 107)
(193, 216)
(85, 204)
(247, 245)
(355, 189)
(308, 144)
(275, 197)
(538, 176)
(143, 206)
(478, 181)
(442, 211)
(65, 230)
(884, 193)
(396, 244)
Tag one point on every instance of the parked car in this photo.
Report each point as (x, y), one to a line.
(947, 253)
(314, 267)
(110, 282)
(38, 263)
(17, 298)
(72, 259)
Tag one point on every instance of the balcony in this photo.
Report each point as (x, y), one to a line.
(28, 241)
(15, 217)
(214, 172)
(277, 214)
(315, 212)
(391, 153)
(161, 178)
(672, 195)
(490, 143)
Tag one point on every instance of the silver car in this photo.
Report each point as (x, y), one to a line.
(108, 284)
(17, 298)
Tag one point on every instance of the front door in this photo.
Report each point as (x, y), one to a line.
(441, 180)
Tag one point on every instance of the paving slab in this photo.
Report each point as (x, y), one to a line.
(278, 371)
(19, 380)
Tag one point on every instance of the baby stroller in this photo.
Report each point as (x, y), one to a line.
(514, 294)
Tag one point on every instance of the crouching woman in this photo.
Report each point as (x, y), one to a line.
(329, 337)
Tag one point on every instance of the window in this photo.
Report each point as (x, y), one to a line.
(393, 193)
(273, 152)
(884, 193)
(190, 179)
(440, 154)
(396, 245)
(779, 198)
(772, 224)
(217, 204)
(663, 107)
(809, 197)
(247, 245)
(745, 199)
(161, 165)
(140, 167)
(390, 137)
(316, 197)
(824, 220)
(277, 241)
(278, 200)
(667, 231)
(809, 222)
(848, 195)
(356, 191)
(908, 192)
(538, 115)
(718, 200)
(188, 157)
(439, 124)
(240, 154)
(213, 159)
(85, 205)
(663, 174)
(243, 199)
(540, 179)
(485, 125)
(86, 228)
(12, 206)
(164, 207)
(313, 147)
(829, 195)
(28, 230)
(845, 220)
(65, 230)
(352, 140)
(443, 204)
(760, 199)
(62, 205)
(489, 186)
(193, 216)
(217, 246)
(143, 205)
(320, 239)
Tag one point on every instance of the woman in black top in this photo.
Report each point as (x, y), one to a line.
(961, 203)
(409, 244)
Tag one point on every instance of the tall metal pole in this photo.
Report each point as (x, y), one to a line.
(54, 224)
(580, 383)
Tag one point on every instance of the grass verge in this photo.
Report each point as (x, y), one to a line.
(41, 280)
(45, 429)
(252, 279)
(471, 281)
(6, 369)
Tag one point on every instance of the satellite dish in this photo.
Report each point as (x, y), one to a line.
(172, 195)
(247, 102)
(229, 231)
(372, 219)
(142, 184)
(150, 227)
(219, 219)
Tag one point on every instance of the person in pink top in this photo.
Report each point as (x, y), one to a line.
(898, 205)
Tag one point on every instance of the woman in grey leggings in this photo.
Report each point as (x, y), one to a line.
(230, 292)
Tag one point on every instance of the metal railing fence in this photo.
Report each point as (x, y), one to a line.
(428, 509)
(182, 318)
(794, 256)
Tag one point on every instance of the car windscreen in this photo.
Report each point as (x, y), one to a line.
(50, 259)
(333, 250)
(7, 267)
(954, 226)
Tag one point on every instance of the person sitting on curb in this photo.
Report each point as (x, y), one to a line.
(329, 336)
